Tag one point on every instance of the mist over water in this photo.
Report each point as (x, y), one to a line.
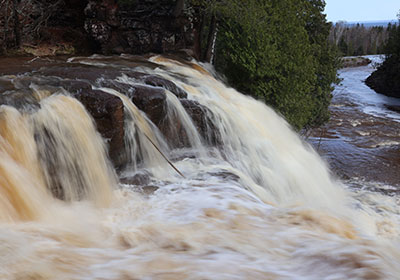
(259, 203)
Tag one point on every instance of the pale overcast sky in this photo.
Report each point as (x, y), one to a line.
(361, 10)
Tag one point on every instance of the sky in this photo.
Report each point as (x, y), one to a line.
(361, 10)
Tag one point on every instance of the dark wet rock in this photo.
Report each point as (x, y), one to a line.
(395, 108)
(386, 79)
(161, 82)
(137, 179)
(201, 119)
(80, 72)
(6, 85)
(107, 111)
(74, 87)
(150, 100)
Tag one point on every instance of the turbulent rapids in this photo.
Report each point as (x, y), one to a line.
(208, 184)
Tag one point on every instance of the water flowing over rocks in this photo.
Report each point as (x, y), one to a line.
(148, 93)
(207, 183)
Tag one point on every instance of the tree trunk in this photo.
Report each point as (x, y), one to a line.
(211, 40)
(16, 24)
(5, 37)
(180, 4)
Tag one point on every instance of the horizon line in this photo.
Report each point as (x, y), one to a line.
(361, 21)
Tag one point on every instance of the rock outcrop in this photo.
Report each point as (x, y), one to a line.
(46, 28)
(140, 27)
(386, 79)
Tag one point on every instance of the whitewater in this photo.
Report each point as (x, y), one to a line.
(258, 204)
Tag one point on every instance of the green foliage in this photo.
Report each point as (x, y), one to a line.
(392, 48)
(386, 79)
(389, 71)
(277, 51)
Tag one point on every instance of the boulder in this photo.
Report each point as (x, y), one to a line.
(107, 111)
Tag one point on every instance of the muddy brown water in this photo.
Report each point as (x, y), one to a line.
(361, 141)
(260, 206)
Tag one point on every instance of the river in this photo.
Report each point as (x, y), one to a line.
(257, 202)
(362, 139)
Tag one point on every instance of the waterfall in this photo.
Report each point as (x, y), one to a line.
(71, 153)
(213, 184)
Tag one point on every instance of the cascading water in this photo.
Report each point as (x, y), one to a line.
(254, 203)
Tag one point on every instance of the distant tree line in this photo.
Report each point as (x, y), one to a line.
(359, 40)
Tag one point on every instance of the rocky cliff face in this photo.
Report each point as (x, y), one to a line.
(140, 26)
(50, 27)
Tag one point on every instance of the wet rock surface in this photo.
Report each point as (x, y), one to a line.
(107, 111)
(200, 116)
(168, 85)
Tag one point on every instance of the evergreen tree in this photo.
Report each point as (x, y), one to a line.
(277, 51)
(386, 79)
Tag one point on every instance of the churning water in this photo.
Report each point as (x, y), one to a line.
(257, 204)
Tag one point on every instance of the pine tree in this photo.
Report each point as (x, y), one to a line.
(277, 51)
